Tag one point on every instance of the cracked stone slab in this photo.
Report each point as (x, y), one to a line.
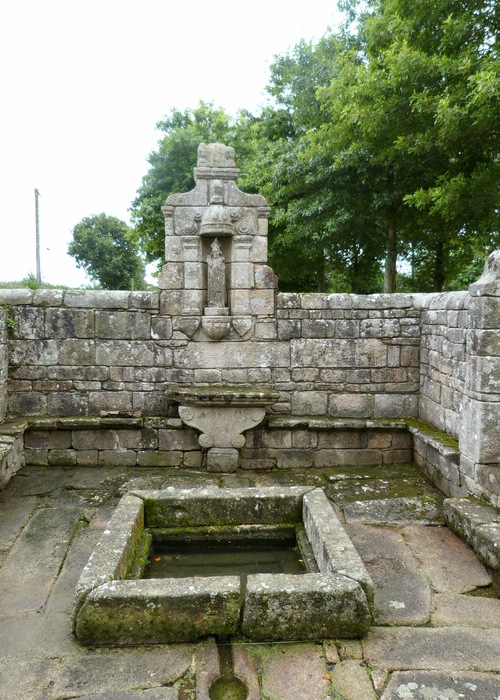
(440, 648)
(438, 685)
(465, 611)
(117, 671)
(448, 563)
(394, 511)
(402, 593)
(350, 681)
(36, 558)
(292, 671)
(26, 679)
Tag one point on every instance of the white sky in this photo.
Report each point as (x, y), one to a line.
(83, 85)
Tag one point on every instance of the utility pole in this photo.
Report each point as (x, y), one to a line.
(37, 220)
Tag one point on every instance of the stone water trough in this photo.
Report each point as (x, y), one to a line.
(115, 606)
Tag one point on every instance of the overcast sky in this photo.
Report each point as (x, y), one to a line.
(83, 85)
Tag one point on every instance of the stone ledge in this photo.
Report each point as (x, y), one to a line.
(319, 423)
(478, 525)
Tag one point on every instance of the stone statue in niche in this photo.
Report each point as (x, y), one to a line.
(216, 288)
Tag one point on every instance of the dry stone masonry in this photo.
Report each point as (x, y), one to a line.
(89, 377)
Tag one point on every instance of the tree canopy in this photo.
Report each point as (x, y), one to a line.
(378, 151)
(105, 248)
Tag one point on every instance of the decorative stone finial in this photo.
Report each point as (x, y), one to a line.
(489, 283)
(216, 155)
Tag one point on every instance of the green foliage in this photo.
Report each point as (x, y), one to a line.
(380, 145)
(105, 248)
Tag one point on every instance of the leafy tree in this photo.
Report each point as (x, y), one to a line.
(105, 248)
(415, 105)
(315, 241)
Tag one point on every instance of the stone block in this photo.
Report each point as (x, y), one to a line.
(262, 302)
(109, 401)
(129, 325)
(351, 405)
(34, 352)
(295, 459)
(194, 275)
(309, 403)
(172, 276)
(177, 610)
(483, 374)
(178, 440)
(396, 405)
(288, 329)
(484, 312)
(265, 330)
(182, 302)
(311, 606)
(69, 323)
(265, 277)
(145, 300)
(125, 353)
(87, 458)
(29, 322)
(159, 459)
(97, 299)
(333, 550)
(222, 459)
(62, 458)
(67, 403)
(479, 434)
(174, 251)
(117, 458)
(370, 352)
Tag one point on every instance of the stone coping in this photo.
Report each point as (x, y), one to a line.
(273, 421)
(210, 395)
(109, 609)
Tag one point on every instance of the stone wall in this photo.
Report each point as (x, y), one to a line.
(85, 353)
(443, 355)
(4, 361)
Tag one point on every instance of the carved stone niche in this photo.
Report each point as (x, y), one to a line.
(222, 414)
(216, 249)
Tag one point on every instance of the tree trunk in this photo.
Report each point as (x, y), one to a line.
(321, 286)
(438, 276)
(390, 258)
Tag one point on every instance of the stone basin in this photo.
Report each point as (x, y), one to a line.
(222, 414)
(332, 602)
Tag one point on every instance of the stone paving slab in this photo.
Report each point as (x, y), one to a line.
(14, 514)
(36, 634)
(350, 681)
(395, 511)
(292, 671)
(120, 670)
(22, 679)
(40, 660)
(436, 685)
(36, 558)
(442, 648)
(402, 594)
(465, 611)
(448, 563)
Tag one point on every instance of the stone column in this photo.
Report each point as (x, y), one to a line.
(479, 438)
